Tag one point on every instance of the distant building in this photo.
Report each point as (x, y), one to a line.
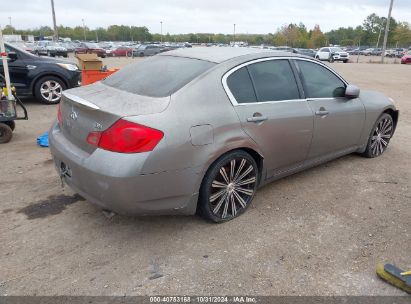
(18, 38)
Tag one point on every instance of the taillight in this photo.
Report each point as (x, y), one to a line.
(126, 137)
(59, 115)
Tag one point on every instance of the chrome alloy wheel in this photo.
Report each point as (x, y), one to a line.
(232, 188)
(381, 136)
(51, 90)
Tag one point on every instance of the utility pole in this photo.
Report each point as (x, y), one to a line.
(11, 28)
(84, 30)
(161, 30)
(234, 35)
(56, 34)
(387, 28)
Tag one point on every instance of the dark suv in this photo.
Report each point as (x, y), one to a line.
(90, 48)
(42, 77)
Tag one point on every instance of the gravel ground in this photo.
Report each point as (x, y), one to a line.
(320, 232)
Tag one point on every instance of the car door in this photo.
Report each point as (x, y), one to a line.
(18, 70)
(267, 99)
(338, 121)
(324, 54)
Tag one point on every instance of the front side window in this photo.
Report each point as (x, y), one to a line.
(274, 80)
(319, 82)
(241, 86)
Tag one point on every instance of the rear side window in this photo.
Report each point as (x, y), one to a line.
(241, 86)
(159, 76)
(274, 81)
(319, 82)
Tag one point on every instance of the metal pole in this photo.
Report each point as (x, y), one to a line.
(11, 27)
(56, 34)
(5, 67)
(84, 30)
(359, 48)
(387, 28)
(161, 22)
(234, 35)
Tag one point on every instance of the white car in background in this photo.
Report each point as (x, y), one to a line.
(332, 54)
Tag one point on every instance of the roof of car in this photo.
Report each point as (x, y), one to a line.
(221, 54)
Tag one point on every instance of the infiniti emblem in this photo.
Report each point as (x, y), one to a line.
(73, 115)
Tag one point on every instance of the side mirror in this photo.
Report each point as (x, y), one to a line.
(352, 91)
(12, 56)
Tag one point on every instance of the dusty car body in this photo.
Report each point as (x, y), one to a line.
(198, 130)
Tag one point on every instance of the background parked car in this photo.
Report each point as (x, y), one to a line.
(406, 58)
(90, 48)
(376, 52)
(399, 52)
(70, 47)
(43, 77)
(356, 51)
(306, 52)
(390, 53)
(147, 50)
(23, 46)
(52, 49)
(371, 52)
(332, 54)
(120, 51)
(39, 49)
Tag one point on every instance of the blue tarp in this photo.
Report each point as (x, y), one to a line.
(43, 140)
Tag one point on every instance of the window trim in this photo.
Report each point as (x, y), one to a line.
(297, 79)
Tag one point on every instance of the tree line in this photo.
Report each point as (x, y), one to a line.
(370, 33)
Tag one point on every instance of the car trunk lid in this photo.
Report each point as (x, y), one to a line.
(96, 107)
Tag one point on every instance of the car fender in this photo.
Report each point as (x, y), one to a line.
(375, 104)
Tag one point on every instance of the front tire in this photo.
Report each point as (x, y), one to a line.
(380, 136)
(228, 187)
(48, 89)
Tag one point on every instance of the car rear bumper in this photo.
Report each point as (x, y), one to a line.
(100, 179)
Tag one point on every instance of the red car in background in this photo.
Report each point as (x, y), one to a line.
(406, 58)
(120, 51)
(90, 48)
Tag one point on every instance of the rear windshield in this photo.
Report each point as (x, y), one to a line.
(159, 76)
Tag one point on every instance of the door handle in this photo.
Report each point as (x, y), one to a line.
(322, 113)
(257, 119)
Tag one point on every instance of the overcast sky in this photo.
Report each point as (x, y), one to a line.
(187, 16)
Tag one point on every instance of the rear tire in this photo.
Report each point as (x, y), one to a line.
(380, 136)
(345, 61)
(11, 124)
(5, 133)
(228, 187)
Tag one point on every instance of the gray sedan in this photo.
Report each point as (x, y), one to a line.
(199, 130)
